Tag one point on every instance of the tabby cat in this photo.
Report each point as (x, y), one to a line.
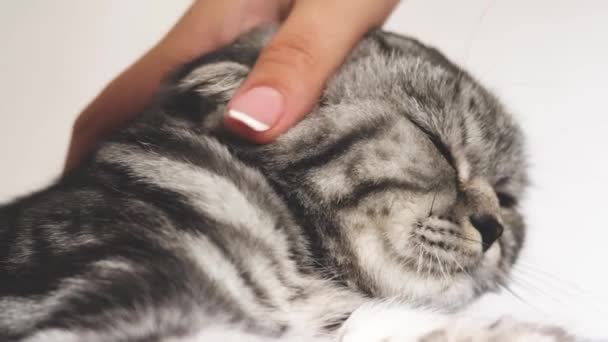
(402, 183)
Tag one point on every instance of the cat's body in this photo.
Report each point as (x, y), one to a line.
(386, 190)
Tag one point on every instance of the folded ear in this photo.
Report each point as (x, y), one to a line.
(200, 90)
(198, 99)
(243, 51)
(216, 80)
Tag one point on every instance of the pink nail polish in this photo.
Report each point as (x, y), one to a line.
(258, 108)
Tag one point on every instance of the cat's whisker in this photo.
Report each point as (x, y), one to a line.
(473, 35)
(523, 265)
(535, 291)
(466, 238)
(432, 204)
(540, 277)
(390, 209)
(523, 282)
(464, 271)
(420, 260)
(520, 298)
(428, 260)
(564, 285)
(513, 294)
(443, 274)
(583, 298)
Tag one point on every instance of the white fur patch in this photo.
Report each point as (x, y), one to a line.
(389, 322)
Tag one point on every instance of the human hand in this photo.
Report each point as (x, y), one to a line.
(314, 38)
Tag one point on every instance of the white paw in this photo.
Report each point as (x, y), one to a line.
(387, 322)
(398, 323)
(509, 329)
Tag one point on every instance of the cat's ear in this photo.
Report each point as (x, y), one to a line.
(200, 90)
(199, 97)
(242, 52)
(216, 80)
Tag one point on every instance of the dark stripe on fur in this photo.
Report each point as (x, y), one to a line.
(340, 146)
(439, 144)
(369, 188)
(197, 153)
(185, 217)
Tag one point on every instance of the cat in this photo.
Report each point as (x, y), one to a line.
(402, 183)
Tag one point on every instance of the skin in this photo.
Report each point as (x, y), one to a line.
(314, 38)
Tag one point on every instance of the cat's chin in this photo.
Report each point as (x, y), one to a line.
(450, 291)
(450, 294)
(394, 278)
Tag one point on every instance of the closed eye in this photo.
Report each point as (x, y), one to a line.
(439, 145)
(506, 200)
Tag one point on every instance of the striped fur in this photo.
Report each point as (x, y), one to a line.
(174, 227)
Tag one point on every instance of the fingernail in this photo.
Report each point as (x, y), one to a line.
(258, 108)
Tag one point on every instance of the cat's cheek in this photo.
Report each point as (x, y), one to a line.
(398, 228)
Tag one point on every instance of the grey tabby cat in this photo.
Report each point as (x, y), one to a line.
(402, 183)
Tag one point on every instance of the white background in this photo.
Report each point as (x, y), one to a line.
(547, 60)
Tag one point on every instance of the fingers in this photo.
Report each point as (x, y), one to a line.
(116, 105)
(209, 24)
(283, 86)
(292, 69)
(204, 27)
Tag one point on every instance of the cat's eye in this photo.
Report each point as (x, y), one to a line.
(506, 200)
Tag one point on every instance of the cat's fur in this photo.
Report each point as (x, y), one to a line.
(174, 227)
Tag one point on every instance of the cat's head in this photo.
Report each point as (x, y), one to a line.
(406, 177)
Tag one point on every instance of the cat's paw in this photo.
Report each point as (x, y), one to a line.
(505, 329)
(508, 329)
(386, 322)
(395, 323)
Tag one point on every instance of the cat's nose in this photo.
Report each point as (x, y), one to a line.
(489, 228)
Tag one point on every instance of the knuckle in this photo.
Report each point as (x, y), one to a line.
(80, 124)
(295, 51)
(83, 125)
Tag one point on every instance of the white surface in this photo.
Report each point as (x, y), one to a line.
(545, 58)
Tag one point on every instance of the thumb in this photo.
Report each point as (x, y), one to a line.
(293, 67)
